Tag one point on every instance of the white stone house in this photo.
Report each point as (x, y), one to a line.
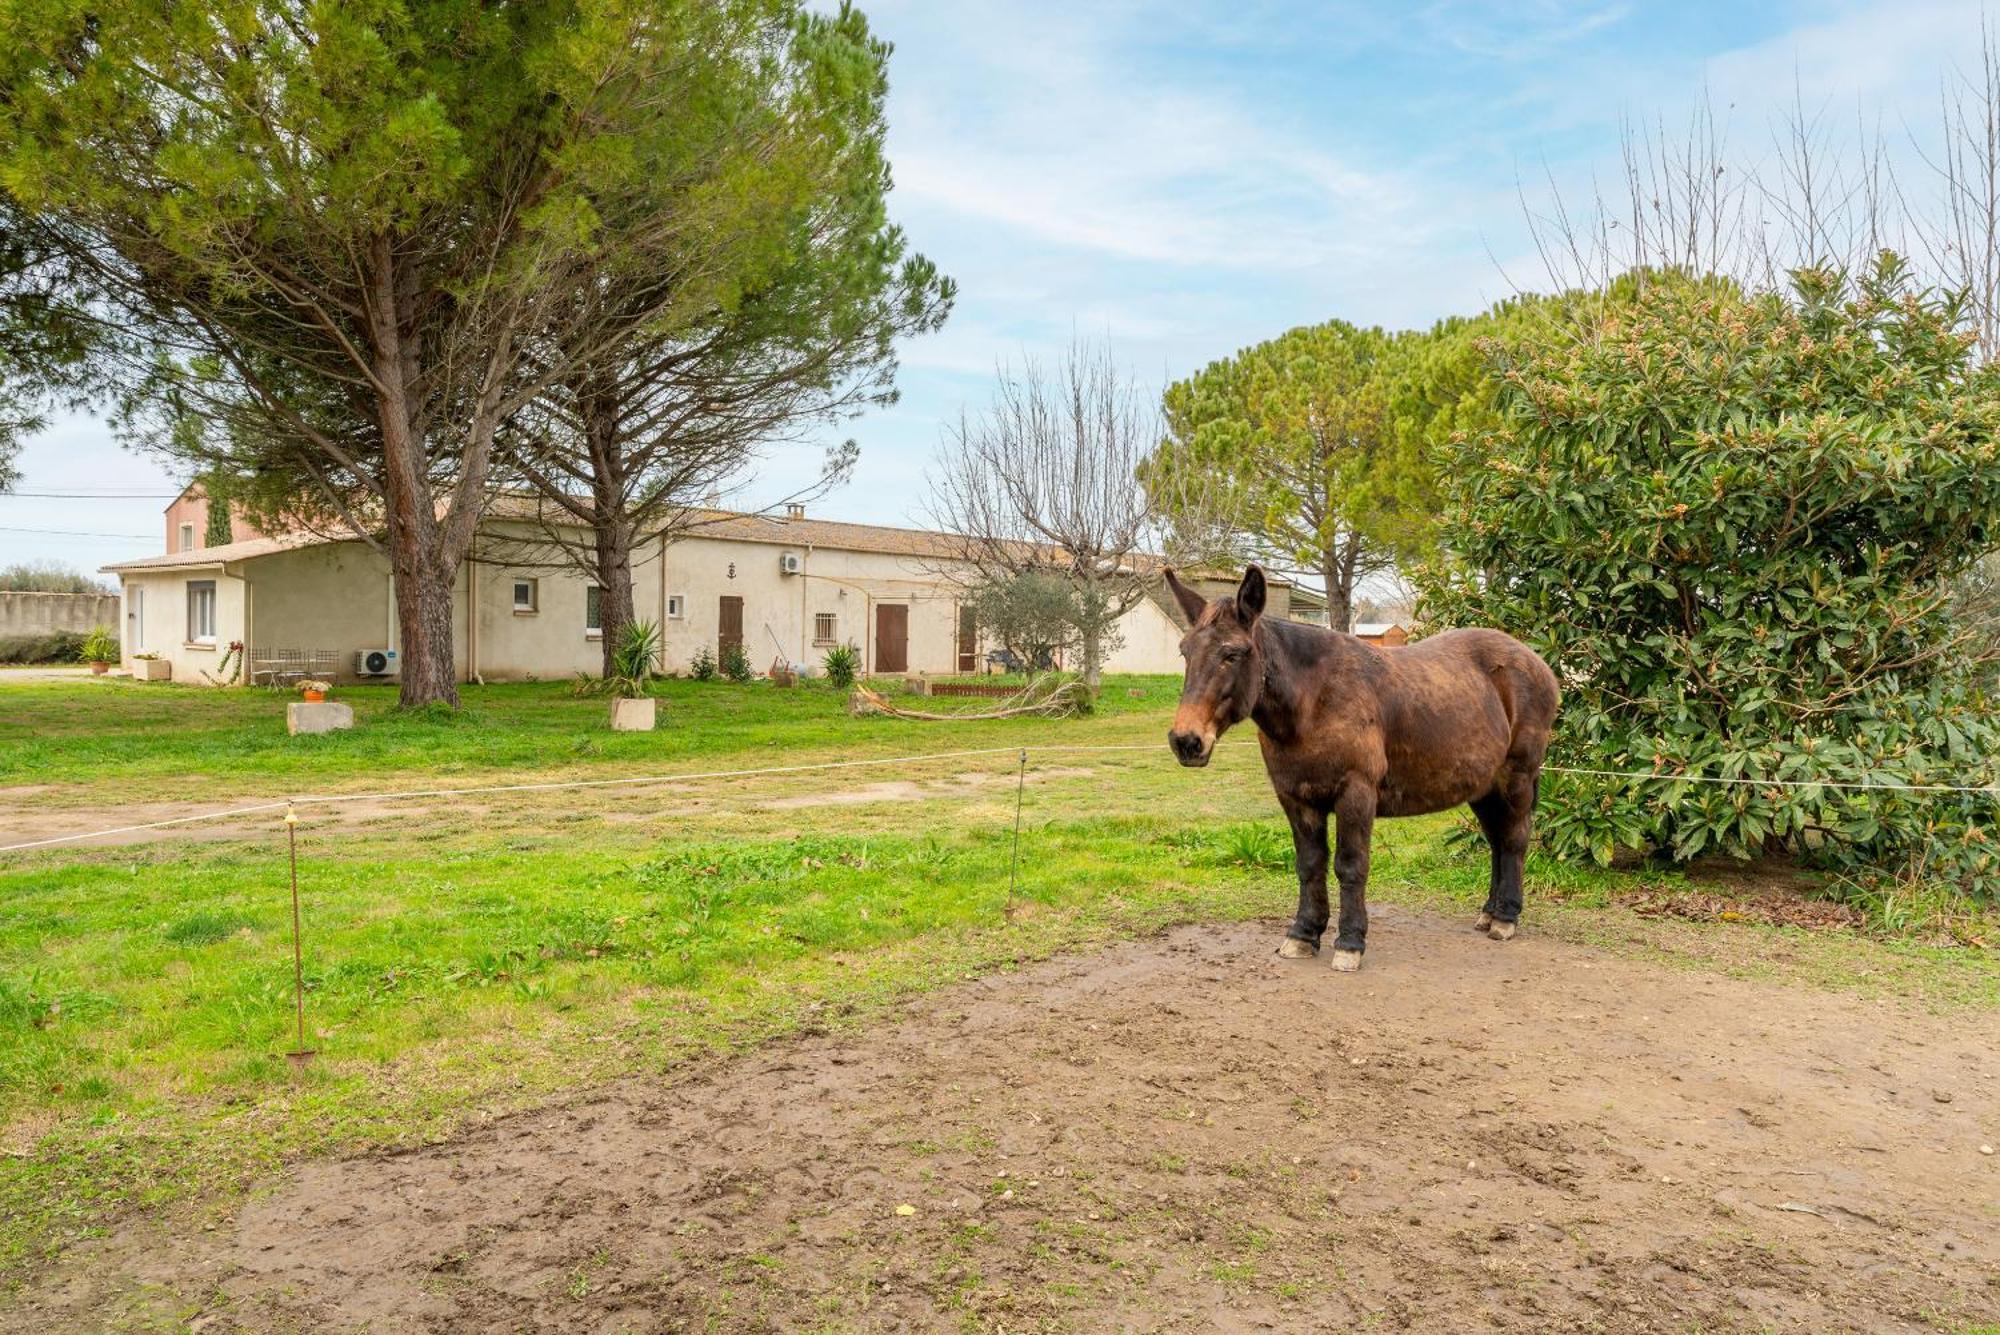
(787, 588)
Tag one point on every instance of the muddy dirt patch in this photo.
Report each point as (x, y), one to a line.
(1181, 1134)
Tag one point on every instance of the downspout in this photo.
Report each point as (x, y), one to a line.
(472, 610)
(243, 663)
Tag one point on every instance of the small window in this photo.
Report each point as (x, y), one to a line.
(201, 611)
(676, 607)
(187, 537)
(825, 628)
(524, 594)
(593, 611)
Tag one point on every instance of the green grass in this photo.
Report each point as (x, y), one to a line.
(471, 956)
(110, 739)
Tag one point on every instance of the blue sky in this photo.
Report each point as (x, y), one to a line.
(1185, 179)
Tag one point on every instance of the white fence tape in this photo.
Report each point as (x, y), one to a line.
(633, 781)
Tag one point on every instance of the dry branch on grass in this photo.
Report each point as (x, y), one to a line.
(1064, 699)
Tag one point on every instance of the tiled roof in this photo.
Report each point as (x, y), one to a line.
(724, 525)
(247, 550)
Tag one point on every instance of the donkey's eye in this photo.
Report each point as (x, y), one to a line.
(1232, 655)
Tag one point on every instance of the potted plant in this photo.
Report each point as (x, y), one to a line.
(634, 663)
(314, 691)
(149, 666)
(100, 650)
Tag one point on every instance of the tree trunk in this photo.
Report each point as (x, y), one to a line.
(614, 580)
(1337, 569)
(422, 572)
(597, 405)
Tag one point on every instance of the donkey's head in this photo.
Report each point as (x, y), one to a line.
(1225, 668)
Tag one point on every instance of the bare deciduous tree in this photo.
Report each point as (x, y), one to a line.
(1046, 480)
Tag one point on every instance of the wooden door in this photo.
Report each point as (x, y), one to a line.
(729, 622)
(968, 640)
(892, 637)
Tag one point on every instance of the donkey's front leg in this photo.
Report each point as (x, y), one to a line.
(1354, 826)
(1309, 846)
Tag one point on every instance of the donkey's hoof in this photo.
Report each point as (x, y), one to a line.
(1501, 931)
(1346, 961)
(1482, 922)
(1291, 948)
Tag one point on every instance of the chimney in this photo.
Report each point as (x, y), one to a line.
(794, 511)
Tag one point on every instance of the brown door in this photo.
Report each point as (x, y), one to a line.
(729, 619)
(892, 637)
(968, 640)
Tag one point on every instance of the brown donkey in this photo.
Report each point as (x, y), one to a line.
(1359, 732)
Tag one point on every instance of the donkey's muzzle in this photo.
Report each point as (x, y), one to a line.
(1190, 748)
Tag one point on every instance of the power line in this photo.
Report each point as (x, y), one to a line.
(91, 495)
(78, 533)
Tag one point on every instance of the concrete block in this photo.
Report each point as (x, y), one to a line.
(153, 669)
(326, 716)
(633, 715)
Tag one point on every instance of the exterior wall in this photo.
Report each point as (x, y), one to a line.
(191, 507)
(1152, 642)
(332, 596)
(161, 597)
(337, 596)
(779, 610)
(553, 641)
(40, 613)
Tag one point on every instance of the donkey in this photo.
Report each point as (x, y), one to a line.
(1357, 732)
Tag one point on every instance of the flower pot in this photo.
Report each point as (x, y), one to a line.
(153, 669)
(633, 715)
(313, 697)
(99, 669)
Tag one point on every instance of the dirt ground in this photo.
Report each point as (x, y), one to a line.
(1183, 1133)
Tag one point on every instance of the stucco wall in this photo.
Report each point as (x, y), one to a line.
(337, 596)
(155, 618)
(191, 507)
(41, 613)
(1151, 642)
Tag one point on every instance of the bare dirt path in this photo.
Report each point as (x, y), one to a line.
(1183, 1133)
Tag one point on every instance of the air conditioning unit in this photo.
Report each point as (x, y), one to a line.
(790, 563)
(375, 663)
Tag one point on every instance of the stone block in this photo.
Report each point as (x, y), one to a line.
(326, 716)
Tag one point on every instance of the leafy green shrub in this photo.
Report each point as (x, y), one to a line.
(100, 646)
(56, 646)
(736, 665)
(702, 668)
(842, 663)
(1731, 524)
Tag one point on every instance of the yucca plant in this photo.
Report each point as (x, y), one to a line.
(842, 664)
(635, 660)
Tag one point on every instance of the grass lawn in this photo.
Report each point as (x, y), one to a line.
(472, 955)
(101, 741)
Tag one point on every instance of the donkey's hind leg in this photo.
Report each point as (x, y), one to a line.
(1506, 815)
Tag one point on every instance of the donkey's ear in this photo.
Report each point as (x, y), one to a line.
(1250, 595)
(1191, 602)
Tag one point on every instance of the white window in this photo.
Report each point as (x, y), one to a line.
(825, 628)
(524, 595)
(187, 537)
(135, 602)
(201, 611)
(593, 611)
(676, 607)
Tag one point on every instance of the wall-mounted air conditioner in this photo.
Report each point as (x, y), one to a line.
(375, 663)
(790, 563)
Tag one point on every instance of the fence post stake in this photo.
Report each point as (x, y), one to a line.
(1014, 867)
(300, 1053)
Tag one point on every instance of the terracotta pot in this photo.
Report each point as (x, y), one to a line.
(99, 669)
(314, 697)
